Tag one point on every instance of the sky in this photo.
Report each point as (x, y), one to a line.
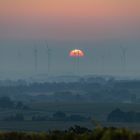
(70, 19)
(99, 27)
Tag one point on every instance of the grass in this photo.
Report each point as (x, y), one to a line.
(76, 133)
(59, 125)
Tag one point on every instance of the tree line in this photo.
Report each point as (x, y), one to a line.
(118, 115)
(57, 116)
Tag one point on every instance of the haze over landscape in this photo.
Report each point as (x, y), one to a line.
(100, 28)
(69, 69)
(106, 58)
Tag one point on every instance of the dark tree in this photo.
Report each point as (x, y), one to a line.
(6, 102)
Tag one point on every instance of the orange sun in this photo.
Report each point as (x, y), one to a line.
(76, 53)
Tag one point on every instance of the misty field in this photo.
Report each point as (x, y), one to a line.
(96, 111)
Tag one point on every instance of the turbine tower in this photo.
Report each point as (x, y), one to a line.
(19, 57)
(35, 59)
(103, 57)
(48, 51)
(77, 64)
(124, 61)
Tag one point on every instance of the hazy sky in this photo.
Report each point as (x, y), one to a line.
(17, 59)
(70, 19)
(99, 27)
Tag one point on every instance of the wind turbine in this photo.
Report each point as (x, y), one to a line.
(124, 59)
(48, 51)
(19, 56)
(35, 59)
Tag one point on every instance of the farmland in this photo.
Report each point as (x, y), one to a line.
(97, 112)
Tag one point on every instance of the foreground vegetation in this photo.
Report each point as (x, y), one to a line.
(74, 133)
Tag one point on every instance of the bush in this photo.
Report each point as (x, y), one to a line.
(76, 133)
(6, 102)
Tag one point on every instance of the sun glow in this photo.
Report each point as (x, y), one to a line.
(76, 53)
